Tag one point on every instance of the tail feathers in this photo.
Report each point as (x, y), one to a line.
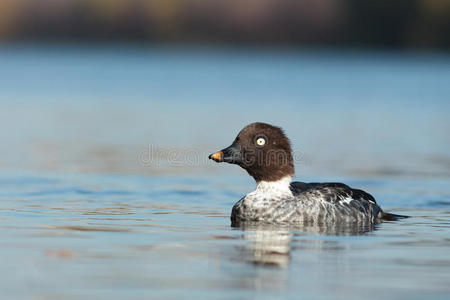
(392, 217)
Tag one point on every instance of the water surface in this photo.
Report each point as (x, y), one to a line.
(113, 237)
(106, 191)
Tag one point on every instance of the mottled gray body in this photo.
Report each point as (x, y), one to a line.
(311, 203)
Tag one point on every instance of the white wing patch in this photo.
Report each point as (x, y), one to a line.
(345, 200)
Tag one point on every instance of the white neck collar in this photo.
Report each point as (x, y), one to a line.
(281, 186)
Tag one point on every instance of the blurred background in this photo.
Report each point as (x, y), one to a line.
(110, 108)
(403, 23)
(152, 87)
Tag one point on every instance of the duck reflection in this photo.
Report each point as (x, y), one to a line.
(267, 246)
(271, 244)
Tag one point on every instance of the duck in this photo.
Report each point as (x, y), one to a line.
(265, 152)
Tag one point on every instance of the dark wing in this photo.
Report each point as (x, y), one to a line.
(332, 192)
(341, 196)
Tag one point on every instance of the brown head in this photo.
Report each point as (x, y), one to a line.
(262, 150)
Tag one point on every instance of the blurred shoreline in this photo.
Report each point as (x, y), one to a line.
(419, 24)
(214, 47)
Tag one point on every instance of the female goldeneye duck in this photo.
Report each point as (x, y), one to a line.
(265, 153)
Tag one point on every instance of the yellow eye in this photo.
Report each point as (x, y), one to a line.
(260, 141)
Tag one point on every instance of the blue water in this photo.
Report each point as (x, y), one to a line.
(106, 191)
